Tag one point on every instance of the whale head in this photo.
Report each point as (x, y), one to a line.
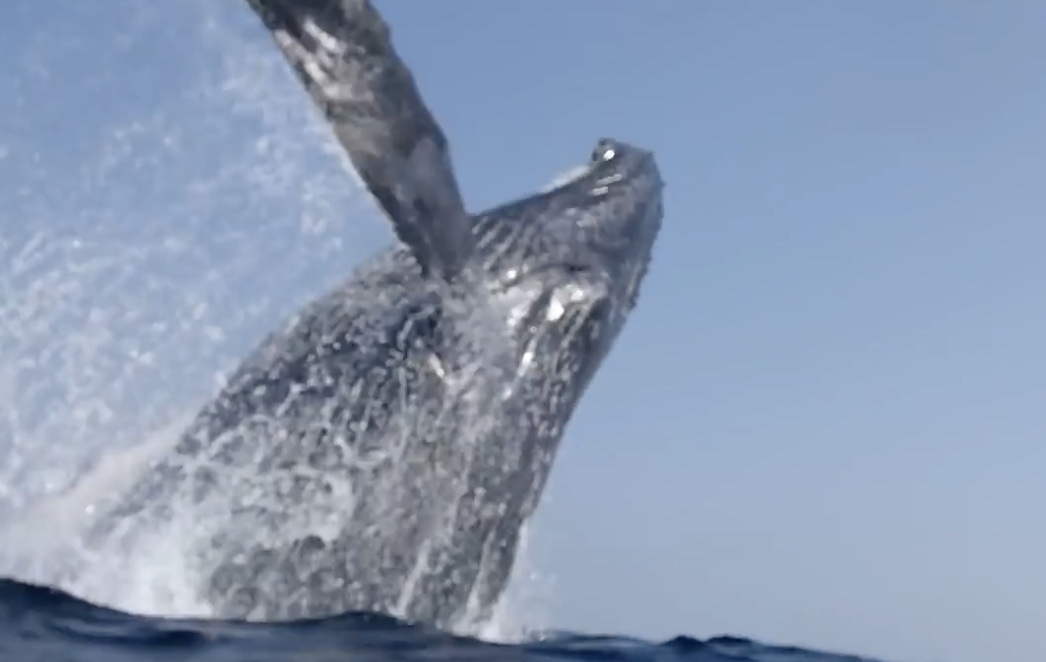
(569, 263)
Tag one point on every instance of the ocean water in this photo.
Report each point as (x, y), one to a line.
(38, 624)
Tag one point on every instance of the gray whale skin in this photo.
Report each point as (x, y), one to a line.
(384, 448)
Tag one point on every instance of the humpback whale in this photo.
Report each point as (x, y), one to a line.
(383, 449)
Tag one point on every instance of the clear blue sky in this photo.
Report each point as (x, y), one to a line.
(824, 424)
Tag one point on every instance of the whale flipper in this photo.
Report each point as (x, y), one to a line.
(342, 52)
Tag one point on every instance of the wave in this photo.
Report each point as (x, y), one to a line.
(38, 623)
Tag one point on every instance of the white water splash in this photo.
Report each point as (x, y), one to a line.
(188, 199)
(566, 177)
(168, 198)
(524, 608)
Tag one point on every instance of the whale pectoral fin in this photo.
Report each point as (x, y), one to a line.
(342, 53)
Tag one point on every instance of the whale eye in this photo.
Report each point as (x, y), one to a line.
(604, 150)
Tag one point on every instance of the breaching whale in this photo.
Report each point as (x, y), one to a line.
(383, 449)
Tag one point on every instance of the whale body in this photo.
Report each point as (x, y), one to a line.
(383, 449)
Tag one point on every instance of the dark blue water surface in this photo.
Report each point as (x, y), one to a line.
(40, 624)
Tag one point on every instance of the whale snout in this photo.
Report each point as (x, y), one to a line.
(625, 212)
(626, 188)
(626, 161)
